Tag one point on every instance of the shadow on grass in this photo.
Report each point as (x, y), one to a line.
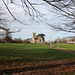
(18, 70)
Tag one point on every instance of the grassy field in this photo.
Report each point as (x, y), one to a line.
(34, 59)
(31, 52)
(66, 46)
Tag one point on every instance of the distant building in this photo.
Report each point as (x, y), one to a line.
(71, 42)
(37, 39)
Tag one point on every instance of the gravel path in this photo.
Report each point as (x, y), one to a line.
(63, 49)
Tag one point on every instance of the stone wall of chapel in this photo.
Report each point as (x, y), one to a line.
(39, 40)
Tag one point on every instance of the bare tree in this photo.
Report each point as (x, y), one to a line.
(65, 8)
(5, 30)
(28, 7)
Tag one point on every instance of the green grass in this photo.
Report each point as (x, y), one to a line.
(31, 52)
(66, 46)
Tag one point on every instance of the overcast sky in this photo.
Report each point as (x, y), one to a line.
(34, 26)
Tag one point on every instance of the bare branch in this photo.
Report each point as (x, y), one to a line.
(12, 14)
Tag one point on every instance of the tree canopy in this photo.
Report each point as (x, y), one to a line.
(63, 8)
(42, 35)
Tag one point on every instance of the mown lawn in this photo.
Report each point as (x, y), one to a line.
(66, 46)
(32, 52)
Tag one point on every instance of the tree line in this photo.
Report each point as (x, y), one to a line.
(15, 40)
(65, 39)
(8, 39)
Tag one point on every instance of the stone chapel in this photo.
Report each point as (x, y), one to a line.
(37, 39)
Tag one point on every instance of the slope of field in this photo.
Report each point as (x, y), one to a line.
(35, 59)
(66, 46)
(31, 52)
